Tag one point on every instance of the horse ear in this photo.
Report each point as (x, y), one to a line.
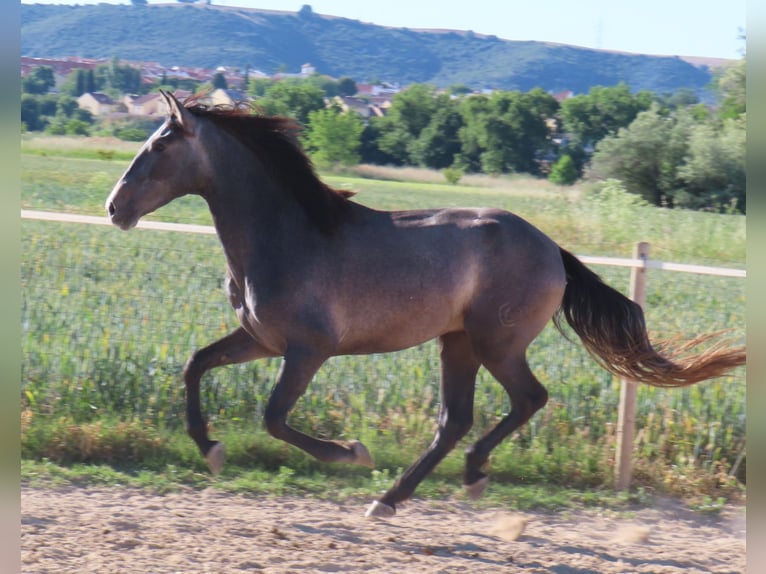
(178, 113)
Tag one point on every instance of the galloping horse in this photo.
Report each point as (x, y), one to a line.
(312, 274)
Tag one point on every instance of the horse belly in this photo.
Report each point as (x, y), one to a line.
(397, 320)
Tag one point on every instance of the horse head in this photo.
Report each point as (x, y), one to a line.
(167, 166)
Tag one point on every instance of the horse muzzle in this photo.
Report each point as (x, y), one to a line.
(120, 216)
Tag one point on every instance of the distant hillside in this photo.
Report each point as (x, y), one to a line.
(211, 36)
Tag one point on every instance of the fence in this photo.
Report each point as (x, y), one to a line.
(639, 264)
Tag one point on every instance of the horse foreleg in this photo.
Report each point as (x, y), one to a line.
(298, 368)
(459, 366)
(236, 347)
(527, 397)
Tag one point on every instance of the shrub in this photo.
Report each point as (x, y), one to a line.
(452, 174)
(564, 171)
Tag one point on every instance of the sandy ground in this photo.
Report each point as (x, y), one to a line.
(125, 531)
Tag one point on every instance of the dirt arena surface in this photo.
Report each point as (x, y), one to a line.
(121, 530)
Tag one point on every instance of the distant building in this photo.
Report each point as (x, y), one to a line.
(97, 103)
(221, 97)
(306, 71)
(362, 106)
(147, 105)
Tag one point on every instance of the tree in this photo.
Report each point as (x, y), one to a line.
(246, 80)
(347, 87)
(459, 90)
(564, 171)
(328, 85)
(646, 155)
(474, 111)
(292, 98)
(713, 173)
(333, 137)
(730, 87)
(411, 111)
(219, 81)
(439, 143)
(40, 80)
(369, 148)
(506, 132)
(30, 113)
(680, 99)
(588, 118)
(258, 87)
(78, 82)
(118, 78)
(66, 105)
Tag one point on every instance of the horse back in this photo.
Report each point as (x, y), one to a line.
(406, 277)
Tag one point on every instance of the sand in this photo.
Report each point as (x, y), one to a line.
(125, 530)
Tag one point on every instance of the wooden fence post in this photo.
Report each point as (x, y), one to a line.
(626, 418)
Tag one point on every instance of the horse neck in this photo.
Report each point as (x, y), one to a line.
(251, 214)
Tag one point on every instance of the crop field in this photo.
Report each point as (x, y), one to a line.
(109, 319)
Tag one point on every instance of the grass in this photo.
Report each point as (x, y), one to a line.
(101, 148)
(109, 318)
(357, 488)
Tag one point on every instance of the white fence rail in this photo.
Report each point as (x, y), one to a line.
(209, 230)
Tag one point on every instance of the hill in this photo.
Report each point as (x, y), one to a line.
(211, 36)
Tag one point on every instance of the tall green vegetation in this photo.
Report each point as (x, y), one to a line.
(294, 98)
(56, 115)
(683, 156)
(39, 81)
(589, 118)
(78, 82)
(564, 171)
(333, 137)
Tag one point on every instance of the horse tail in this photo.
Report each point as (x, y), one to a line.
(613, 330)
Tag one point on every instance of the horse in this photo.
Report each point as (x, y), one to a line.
(312, 274)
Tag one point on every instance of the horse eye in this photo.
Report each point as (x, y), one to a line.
(158, 146)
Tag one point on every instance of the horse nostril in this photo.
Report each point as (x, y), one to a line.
(111, 209)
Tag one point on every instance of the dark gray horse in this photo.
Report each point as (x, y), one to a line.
(312, 274)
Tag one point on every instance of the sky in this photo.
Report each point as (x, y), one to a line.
(711, 28)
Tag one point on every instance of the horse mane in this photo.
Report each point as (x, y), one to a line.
(274, 140)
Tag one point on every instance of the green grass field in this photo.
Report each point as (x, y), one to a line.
(109, 318)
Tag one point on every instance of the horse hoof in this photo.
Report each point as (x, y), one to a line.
(475, 490)
(379, 510)
(215, 458)
(361, 454)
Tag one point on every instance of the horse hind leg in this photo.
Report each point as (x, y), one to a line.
(459, 366)
(236, 347)
(527, 396)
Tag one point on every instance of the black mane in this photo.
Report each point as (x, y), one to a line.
(274, 140)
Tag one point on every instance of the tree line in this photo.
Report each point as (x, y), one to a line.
(671, 149)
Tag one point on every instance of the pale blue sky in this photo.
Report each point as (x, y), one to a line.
(665, 27)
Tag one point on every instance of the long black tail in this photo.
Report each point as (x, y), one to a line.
(613, 330)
